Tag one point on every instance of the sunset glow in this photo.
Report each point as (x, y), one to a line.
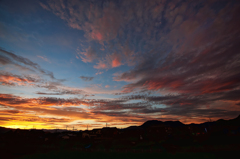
(81, 64)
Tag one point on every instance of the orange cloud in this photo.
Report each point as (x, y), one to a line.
(16, 101)
(9, 79)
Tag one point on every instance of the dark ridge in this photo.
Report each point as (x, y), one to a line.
(4, 130)
(151, 123)
(158, 123)
(133, 128)
(173, 123)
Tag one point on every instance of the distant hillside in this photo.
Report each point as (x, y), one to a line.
(4, 130)
(235, 121)
(147, 124)
(151, 123)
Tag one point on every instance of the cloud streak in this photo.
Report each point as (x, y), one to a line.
(87, 79)
(9, 58)
(9, 79)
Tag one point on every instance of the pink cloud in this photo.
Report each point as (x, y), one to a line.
(96, 36)
(89, 55)
(44, 58)
(116, 62)
(114, 59)
(107, 86)
(101, 24)
(100, 65)
(44, 6)
(98, 73)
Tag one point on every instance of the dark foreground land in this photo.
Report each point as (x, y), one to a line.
(131, 155)
(153, 139)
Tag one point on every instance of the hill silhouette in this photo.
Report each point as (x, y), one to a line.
(150, 123)
(153, 135)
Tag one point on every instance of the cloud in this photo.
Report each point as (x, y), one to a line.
(132, 29)
(55, 88)
(44, 58)
(116, 63)
(197, 64)
(58, 89)
(16, 101)
(115, 60)
(101, 65)
(86, 78)
(89, 55)
(9, 79)
(13, 80)
(98, 73)
(105, 20)
(124, 109)
(107, 86)
(189, 50)
(10, 58)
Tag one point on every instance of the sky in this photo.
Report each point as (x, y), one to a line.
(80, 64)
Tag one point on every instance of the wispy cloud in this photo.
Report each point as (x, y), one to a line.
(9, 58)
(84, 78)
(98, 73)
(89, 55)
(101, 65)
(44, 58)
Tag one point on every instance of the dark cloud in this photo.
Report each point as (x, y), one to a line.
(13, 111)
(23, 63)
(7, 118)
(57, 88)
(198, 65)
(46, 120)
(11, 100)
(9, 79)
(84, 78)
(43, 93)
(123, 109)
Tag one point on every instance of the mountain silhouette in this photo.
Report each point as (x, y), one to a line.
(151, 123)
(158, 123)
